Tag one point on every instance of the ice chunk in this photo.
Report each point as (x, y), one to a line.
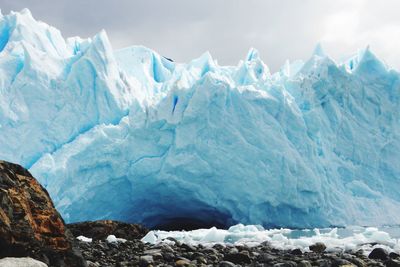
(348, 239)
(150, 237)
(84, 239)
(114, 239)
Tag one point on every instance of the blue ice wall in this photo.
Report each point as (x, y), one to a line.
(129, 135)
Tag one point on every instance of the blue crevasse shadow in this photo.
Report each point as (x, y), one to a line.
(175, 103)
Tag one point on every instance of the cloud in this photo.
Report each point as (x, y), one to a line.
(364, 23)
(183, 30)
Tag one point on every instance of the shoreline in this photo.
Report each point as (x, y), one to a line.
(136, 253)
(123, 251)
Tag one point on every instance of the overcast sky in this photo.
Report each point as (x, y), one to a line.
(184, 29)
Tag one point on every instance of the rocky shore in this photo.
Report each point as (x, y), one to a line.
(174, 253)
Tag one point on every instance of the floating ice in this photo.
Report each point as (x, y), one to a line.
(350, 239)
(84, 239)
(114, 239)
(130, 135)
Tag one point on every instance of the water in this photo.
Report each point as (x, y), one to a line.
(393, 231)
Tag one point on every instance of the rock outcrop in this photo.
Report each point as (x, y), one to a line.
(29, 223)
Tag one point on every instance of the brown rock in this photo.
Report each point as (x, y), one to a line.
(29, 223)
(318, 247)
(182, 263)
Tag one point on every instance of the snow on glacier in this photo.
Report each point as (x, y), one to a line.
(130, 135)
(52, 92)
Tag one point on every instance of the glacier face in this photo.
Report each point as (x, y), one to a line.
(130, 135)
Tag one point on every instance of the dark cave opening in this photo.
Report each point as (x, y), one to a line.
(193, 215)
(187, 224)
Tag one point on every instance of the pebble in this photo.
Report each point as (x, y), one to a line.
(304, 264)
(237, 257)
(318, 247)
(182, 263)
(296, 251)
(188, 247)
(392, 263)
(285, 264)
(201, 260)
(394, 255)
(226, 264)
(266, 257)
(145, 261)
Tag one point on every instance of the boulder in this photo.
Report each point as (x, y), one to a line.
(378, 254)
(30, 226)
(18, 262)
(296, 251)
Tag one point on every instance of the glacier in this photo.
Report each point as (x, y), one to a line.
(130, 135)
